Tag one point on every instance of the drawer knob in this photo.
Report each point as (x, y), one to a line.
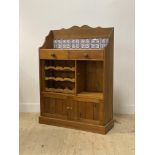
(86, 55)
(67, 107)
(53, 55)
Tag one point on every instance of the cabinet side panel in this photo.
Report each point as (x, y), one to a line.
(42, 84)
(42, 75)
(108, 82)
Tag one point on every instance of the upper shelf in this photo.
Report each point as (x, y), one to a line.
(75, 33)
(60, 68)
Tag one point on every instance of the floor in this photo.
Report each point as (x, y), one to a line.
(39, 139)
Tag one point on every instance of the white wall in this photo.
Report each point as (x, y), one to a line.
(37, 17)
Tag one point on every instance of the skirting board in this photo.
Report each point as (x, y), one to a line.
(77, 125)
(35, 107)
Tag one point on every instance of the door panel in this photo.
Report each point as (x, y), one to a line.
(96, 111)
(88, 112)
(71, 110)
(54, 107)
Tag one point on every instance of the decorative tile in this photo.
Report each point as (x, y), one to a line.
(93, 43)
(85, 45)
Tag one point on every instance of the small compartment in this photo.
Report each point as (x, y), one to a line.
(90, 79)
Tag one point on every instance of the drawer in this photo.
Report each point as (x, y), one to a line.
(86, 55)
(53, 54)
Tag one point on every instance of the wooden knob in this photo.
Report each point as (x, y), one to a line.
(53, 55)
(67, 107)
(86, 55)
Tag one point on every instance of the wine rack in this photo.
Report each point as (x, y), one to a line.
(58, 73)
(59, 90)
(60, 68)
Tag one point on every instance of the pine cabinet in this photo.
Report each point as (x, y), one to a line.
(76, 78)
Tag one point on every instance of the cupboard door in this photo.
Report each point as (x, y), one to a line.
(72, 110)
(54, 107)
(88, 112)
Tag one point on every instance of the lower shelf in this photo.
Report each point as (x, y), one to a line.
(60, 79)
(96, 95)
(59, 90)
(77, 125)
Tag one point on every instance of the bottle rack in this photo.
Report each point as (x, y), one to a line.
(60, 68)
(59, 79)
(60, 90)
(58, 74)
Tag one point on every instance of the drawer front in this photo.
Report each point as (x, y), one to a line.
(86, 55)
(49, 54)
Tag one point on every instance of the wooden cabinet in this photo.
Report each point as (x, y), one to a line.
(76, 85)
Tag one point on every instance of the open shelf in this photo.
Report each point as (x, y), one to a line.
(90, 76)
(81, 77)
(60, 68)
(60, 64)
(59, 90)
(60, 79)
(96, 95)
